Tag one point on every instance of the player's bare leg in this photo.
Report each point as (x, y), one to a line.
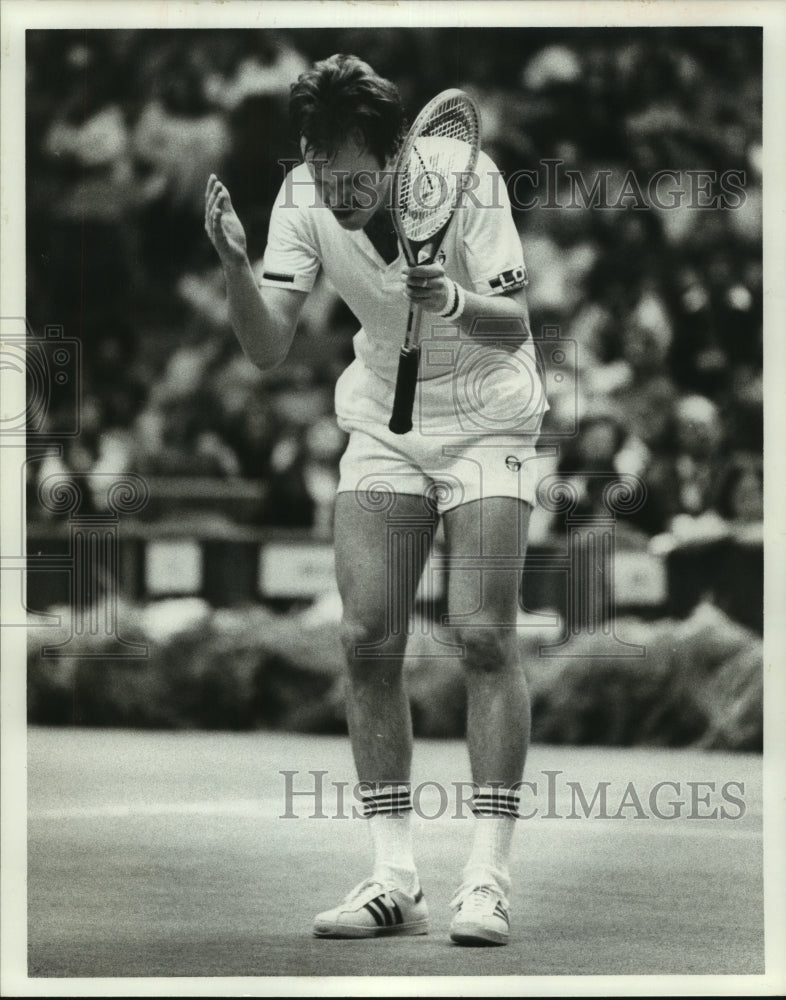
(483, 605)
(483, 608)
(379, 717)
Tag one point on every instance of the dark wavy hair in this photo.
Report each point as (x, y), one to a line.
(339, 95)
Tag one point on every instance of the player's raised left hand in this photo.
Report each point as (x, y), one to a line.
(428, 286)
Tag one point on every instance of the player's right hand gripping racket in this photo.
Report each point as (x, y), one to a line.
(432, 170)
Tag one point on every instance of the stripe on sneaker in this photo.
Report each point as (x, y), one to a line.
(372, 910)
(397, 914)
(383, 910)
(499, 911)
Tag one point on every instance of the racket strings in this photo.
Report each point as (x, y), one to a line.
(441, 153)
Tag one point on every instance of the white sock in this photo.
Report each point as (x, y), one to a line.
(494, 812)
(388, 809)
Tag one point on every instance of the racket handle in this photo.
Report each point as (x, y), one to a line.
(406, 384)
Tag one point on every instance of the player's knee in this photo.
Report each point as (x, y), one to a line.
(367, 639)
(487, 649)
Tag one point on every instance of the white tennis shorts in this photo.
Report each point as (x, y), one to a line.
(473, 435)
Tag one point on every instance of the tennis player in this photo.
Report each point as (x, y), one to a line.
(468, 462)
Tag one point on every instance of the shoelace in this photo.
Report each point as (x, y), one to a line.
(365, 888)
(480, 897)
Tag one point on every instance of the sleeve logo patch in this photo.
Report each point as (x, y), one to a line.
(516, 277)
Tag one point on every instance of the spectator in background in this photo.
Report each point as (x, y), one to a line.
(589, 461)
(89, 462)
(74, 466)
(647, 394)
(251, 432)
(186, 444)
(741, 491)
(303, 470)
(682, 483)
(698, 461)
(638, 383)
(743, 406)
(324, 445)
(288, 503)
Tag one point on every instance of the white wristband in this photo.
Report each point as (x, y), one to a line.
(457, 302)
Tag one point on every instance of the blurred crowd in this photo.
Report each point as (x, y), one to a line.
(663, 303)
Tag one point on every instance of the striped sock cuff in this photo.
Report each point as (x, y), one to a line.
(493, 801)
(387, 800)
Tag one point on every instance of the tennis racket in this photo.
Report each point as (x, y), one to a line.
(430, 176)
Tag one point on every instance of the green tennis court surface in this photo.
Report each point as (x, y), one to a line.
(164, 854)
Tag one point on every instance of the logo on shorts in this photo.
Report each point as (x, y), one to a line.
(513, 463)
(441, 257)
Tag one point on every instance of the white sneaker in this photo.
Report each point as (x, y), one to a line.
(374, 910)
(481, 916)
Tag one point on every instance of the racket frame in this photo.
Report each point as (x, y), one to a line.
(421, 252)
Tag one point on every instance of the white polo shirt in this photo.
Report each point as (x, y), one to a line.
(481, 251)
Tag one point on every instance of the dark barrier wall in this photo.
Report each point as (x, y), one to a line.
(232, 566)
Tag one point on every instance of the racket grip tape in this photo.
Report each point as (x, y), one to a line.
(406, 384)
